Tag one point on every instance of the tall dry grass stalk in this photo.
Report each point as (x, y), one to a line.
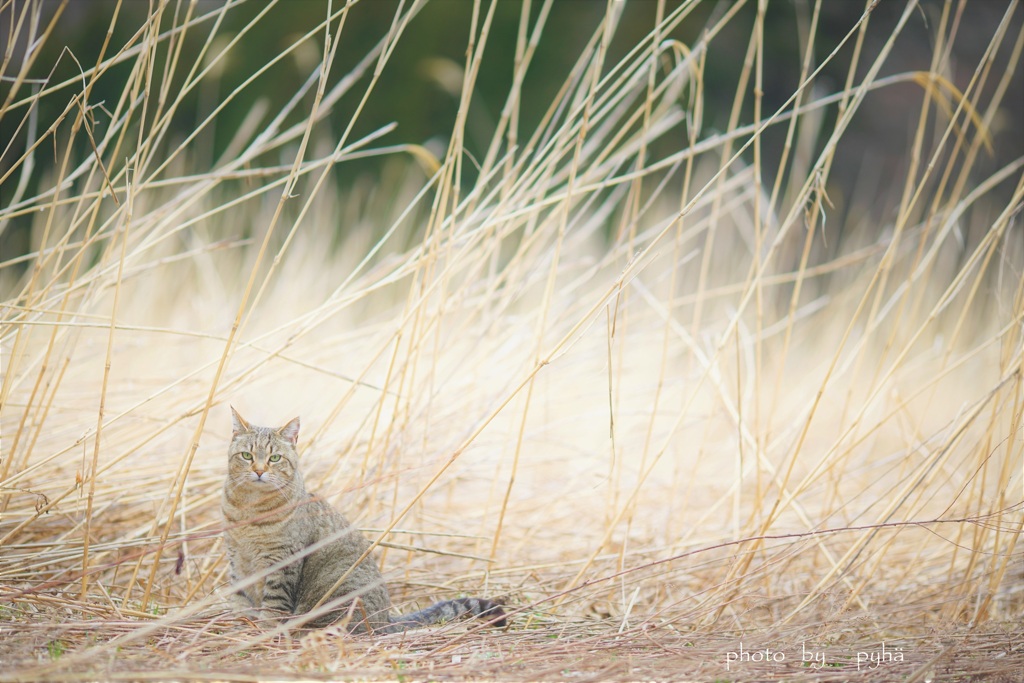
(654, 400)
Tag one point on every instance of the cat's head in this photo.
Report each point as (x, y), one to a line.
(264, 457)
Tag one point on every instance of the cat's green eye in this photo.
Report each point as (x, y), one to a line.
(246, 456)
(275, 457)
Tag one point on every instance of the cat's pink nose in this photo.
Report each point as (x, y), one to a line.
(259, 472)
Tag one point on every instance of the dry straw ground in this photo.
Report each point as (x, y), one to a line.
(637, 394)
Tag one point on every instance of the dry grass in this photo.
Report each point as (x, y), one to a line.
(712, 430)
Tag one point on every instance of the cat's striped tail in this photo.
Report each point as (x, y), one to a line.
(448, 610)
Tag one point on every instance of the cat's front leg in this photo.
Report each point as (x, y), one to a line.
(278, 594)
(244, 601)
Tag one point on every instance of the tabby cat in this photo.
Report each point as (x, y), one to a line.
(271, 517)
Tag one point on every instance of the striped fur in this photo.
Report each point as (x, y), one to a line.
(271, 517)
(449, 610)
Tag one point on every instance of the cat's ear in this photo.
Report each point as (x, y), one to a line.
(238, 423)
(290, 431)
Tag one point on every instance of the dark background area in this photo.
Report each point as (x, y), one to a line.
(410, 92)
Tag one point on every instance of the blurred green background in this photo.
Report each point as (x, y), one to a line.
(419, 87)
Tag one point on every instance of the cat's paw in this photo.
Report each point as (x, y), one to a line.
(268, 618)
